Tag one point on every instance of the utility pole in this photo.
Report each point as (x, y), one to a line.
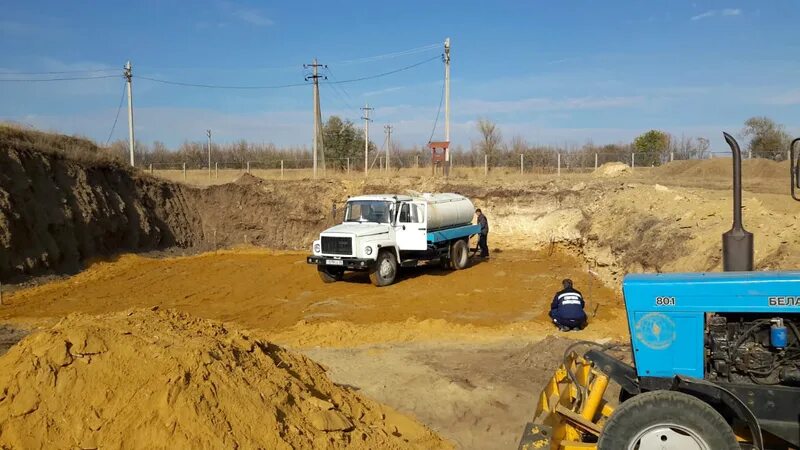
(317, 142)
(388, 130)
(367, 120)
(447, 104)
(208, 133)
(129, 77)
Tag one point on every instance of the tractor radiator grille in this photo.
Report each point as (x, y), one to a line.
(337, 245)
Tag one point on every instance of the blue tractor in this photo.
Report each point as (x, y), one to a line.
(715, 360)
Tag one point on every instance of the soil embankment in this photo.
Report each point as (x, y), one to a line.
(62, 206)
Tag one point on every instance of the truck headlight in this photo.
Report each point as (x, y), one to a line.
(368, 250)
(317, 248)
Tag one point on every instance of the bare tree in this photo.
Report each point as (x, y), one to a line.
(491, 141)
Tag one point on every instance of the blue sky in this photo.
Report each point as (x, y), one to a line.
(552, 72)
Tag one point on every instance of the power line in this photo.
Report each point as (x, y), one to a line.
(119, 108)
(58, 72)
(389, 55)
(36, 80)
(353, 80)
(218, 86)
(438, 111)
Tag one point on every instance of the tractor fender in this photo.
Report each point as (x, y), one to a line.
(705, 390)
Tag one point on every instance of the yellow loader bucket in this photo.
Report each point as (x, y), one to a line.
(571, 410)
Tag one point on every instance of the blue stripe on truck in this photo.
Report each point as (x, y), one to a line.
(453, 233)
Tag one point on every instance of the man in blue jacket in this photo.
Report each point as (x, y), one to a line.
(566, 310)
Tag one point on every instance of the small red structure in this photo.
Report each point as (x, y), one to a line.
(440, 156)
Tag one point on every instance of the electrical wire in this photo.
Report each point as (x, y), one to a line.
(370, 77)
(116, 118)
(389, 55)
(59, 72)
(35, 80)
(438, 111)
(218, 86)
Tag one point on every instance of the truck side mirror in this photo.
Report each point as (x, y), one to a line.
(794, 168)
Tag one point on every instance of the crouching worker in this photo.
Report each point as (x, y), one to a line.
(567, 308)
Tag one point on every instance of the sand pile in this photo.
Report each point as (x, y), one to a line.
(144, 379)
(723, 168)
(612, 170)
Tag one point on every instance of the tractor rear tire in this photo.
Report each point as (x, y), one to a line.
(666, 420)
(330, 274)
(384, 271)
(459, 255)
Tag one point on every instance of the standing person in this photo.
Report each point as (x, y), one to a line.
(566, 310)
(484, 236)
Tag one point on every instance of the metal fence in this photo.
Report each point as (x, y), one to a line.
(533, 162)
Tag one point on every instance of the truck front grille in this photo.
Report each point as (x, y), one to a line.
(337, 245)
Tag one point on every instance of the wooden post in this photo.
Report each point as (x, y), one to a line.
(521, 163)
(633, 160)
(558, 169)
(216, 170)
(281, 169)
(184, 171)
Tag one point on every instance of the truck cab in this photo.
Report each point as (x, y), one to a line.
(380, 233)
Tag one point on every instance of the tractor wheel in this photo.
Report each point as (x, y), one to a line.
(384, 271)
(459, 255)
(330, 274)
(666, 420)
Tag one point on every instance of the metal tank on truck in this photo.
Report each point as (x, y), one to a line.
(381, 233)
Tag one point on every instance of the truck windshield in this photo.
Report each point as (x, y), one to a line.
(369, 211)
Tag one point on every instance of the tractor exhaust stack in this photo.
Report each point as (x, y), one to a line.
(737, 243)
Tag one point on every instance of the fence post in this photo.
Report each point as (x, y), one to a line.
(417, 161)
(521, 163)
(348, 166)
(151, 168)
(595, 161)
(633, 160)
(749, 154)
(216, 170)
(248, 167)
(486, 165)
(671, 156)
(558, 169)
(184, 171)
(281, 169)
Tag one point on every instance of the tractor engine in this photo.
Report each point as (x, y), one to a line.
(753, 349)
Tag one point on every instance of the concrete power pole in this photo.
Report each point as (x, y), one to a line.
(317, 142)
(367, 120)
(447, 104)
(208, 133)
(129, 77)
(388, 130)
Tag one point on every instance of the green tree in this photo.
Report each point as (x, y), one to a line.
(343, 140)
(651, 147)
(767, 138)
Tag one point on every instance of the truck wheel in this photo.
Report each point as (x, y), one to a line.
(330, 274)
(384, 271)
(459, 255)
(665, 420)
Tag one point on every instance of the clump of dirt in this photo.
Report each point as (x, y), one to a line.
(148, 379)
(612, 170)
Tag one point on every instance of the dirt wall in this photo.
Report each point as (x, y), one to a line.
(58, 212)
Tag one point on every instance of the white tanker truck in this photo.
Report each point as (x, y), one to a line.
(381, 233)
